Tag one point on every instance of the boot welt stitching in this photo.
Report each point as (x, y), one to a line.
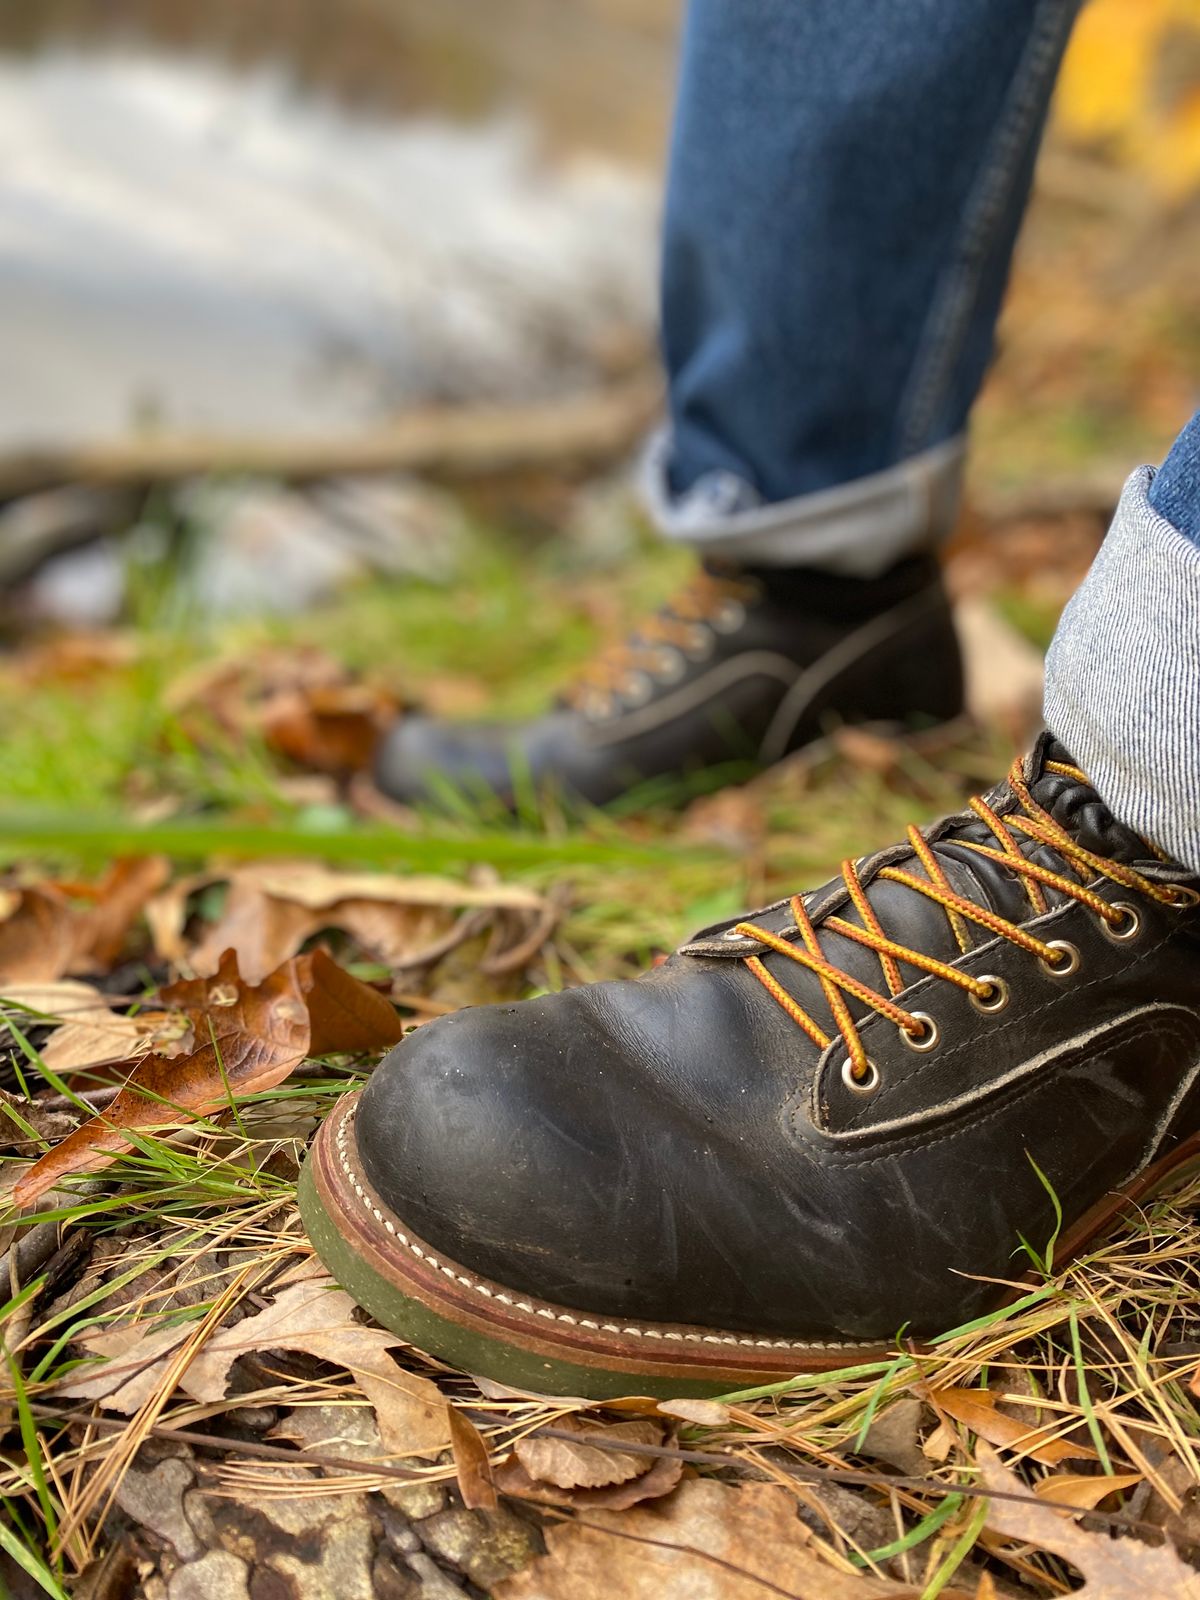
(635, 1331)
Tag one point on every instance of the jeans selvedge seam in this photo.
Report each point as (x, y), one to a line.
(943, 337)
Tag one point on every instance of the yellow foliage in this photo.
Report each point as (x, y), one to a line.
(1131, 81)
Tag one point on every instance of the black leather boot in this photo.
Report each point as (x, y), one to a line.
(810, 1129)
(738, 670)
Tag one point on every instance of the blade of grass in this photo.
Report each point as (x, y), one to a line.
(30, 1563)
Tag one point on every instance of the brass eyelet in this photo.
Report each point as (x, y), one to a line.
(700, 642)
(865, 1085)
(928, 1037)
(729, 618)
(636, 689)
(1064, 968)
(997, 1000)
(1182, 896)
(1129, 926)
(669, 666)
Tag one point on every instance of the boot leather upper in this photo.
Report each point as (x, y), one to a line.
(767, 684)
(675, 1148)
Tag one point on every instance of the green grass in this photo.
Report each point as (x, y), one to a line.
(86, 761)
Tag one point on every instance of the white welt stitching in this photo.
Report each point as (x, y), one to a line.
(643, 1331)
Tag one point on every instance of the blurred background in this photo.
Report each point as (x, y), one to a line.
(328, 335)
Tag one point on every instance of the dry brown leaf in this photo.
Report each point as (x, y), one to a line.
(318, 1318)
(302, 702)
(37, 935)
(245, 1039)
(977, 1410)
(1082, 1490)
(15, 1113)
(128, 1365)
(1113, 1569)
(48, 930)
(663, 1476)
(113, 1040)
(264, 931)
(707, 1539)
(345, 1015)
(77, 658)
(116, 902)
(331, 729)
(167, 915)
(472, 1467)
(705, 1413)
(272, 908)
(578, 1464)
(895, 1436)
(90, 1033)
(61, 1000)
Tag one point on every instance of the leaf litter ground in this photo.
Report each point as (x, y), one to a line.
(191, 1408)
(188, 1408)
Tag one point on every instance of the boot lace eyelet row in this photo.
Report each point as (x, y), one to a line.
(683, 630)
(989, 994)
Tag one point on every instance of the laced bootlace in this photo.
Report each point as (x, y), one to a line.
(709, 600)
(988, 993)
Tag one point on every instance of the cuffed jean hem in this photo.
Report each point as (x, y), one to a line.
(858, 529)
(1123, 676)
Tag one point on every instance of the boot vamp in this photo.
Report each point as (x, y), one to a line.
(675, 1149)
(601, 1148)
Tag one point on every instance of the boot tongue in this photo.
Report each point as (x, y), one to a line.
(1078, 808)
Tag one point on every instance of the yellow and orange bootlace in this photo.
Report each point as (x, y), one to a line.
(988, 994)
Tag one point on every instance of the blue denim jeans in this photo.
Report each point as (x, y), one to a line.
(847, 179)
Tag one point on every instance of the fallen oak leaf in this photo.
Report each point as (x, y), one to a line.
(333, 728)
(977, 1410)
(246, 1039)
(706, 1539)
(115, 1040)
(37, 934)
(1084, 1491)
(665, 1472)
(472, 1468)
(1113, 1569)
(582, 1473)
(127, 1366)
(301, 702)
(254, 1038)
(702, 1413)
(115, 904)
(18, 1115)
(579, 1464)
(90, 1032)
(313, 1317)
(345, 1015)
(318, 1319)
(272, 908)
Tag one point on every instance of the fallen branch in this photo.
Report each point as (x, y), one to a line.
(450, 442)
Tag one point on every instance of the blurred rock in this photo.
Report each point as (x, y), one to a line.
(1004, 672)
